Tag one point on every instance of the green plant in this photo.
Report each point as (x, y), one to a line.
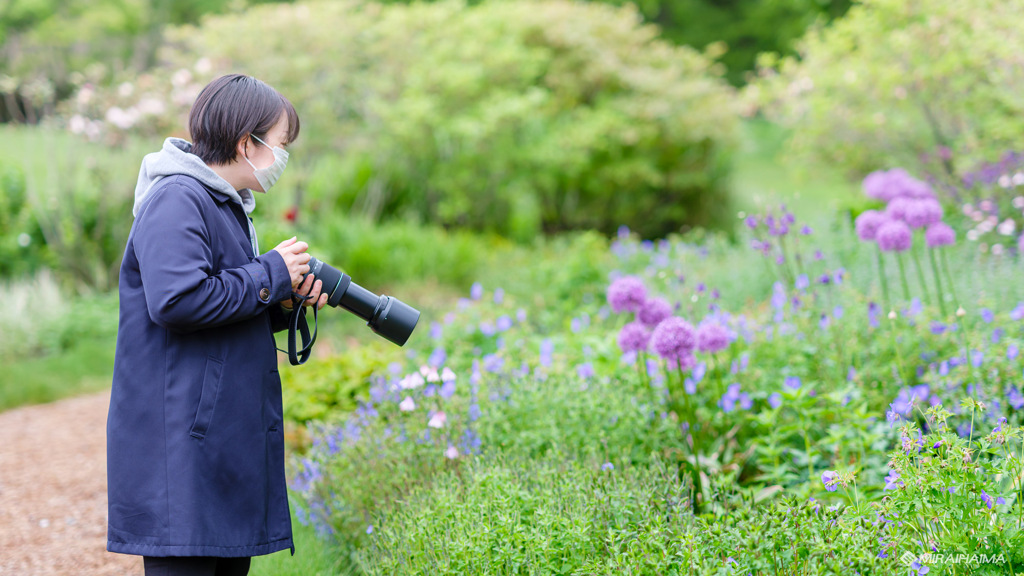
(930, 84)
(507, 117)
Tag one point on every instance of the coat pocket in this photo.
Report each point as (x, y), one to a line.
(208, 397)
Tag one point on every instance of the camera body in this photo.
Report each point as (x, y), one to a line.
(387, 316)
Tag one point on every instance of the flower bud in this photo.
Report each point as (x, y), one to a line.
(892, 314)
(960, 313)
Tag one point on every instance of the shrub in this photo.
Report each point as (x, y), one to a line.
(929, 84)
(512, 117)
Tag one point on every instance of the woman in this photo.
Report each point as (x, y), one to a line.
(195, 448)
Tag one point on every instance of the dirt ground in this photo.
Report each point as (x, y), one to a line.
(53, 491)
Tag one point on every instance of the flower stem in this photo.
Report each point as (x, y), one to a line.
(695, 451)
(884, 279)
(903, 277)
(938, 282)
(949, 279)
(920, 274)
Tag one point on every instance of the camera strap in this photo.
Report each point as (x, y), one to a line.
(297, 325)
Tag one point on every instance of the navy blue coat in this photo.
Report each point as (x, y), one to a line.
(195, 445)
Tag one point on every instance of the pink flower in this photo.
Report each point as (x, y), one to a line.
(654, 311)
(939, 234)
(437, 420)
(894, 236)
(867, 224)
(627, 294)
(634, 337)
(675, 339)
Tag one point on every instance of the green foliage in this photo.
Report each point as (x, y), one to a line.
(932, 84)
(508, 516)
(71, 207)
(515, 118)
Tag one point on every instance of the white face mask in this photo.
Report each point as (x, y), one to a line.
(268, 176)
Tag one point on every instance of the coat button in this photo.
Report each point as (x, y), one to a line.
(265, 294)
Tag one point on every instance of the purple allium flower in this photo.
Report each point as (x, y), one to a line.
(894, 236)
(634, 337)
(921, 213)
(712, 337)
(806, 230)
(627, 294)
(674, 339)
(877, 185)
(868, 223)
(897, 208)
(654, 311)
(939, 234)
(828, 478)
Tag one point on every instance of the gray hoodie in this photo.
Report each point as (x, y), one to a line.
(175, 158)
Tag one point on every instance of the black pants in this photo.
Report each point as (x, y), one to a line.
(195, 566)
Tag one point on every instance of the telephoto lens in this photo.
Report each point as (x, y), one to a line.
(389, 317)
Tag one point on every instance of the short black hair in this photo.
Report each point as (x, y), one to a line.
(232, 107)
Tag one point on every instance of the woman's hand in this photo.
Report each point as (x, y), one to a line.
(311, 288)
(295, 258)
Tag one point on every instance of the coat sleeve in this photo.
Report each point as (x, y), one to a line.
(184, 292)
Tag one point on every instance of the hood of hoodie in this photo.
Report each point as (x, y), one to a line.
(176, 158)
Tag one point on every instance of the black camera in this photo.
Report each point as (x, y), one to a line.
(389, 317)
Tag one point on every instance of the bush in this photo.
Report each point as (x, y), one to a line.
(929, 85)
(511, 117)
(506, 516)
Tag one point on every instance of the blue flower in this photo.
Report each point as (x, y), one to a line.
(792, 382)
(989, 502)
(873, 311)
(437, 357)
(1012, 351)
(499, 295)
(987, 315)
(607, 466)
(775, 400)
(476, 292)
(1014, 397)
(892, 481)
(504, 323)
(547, 348)
(802, 282)
(585, 370)
(493, 363)
(435, 330)
(829, 479)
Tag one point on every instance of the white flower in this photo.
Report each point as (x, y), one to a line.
(77, 124)
(447, 375)
(411, 381)
(1007, 227)
(437, 420)
(181, 77)
(1004, 181)
(430, 373)
(151, 106)
(407, 405)
(451, 453)
(997, 249)
(125, 89)
(203, 65)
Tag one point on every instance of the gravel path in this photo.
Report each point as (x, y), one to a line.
(53, 491)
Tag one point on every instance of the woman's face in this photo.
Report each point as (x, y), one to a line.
(260, 155)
